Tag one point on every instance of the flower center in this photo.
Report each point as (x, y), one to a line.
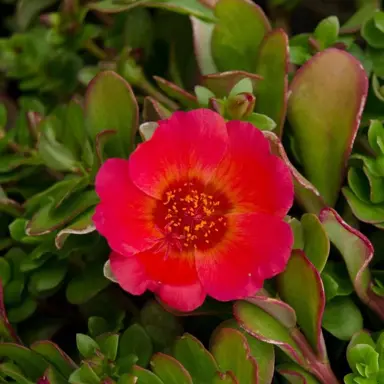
(192, 215)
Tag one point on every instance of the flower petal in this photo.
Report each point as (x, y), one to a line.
(132, 277)
(129, 273)
(124, 215)
(253, 178)
(184, 298)
(256, 247)
(168, 266)
(187, 144)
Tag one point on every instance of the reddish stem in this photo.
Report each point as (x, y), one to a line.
(320, 369)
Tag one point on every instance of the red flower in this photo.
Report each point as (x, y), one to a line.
(197, 210)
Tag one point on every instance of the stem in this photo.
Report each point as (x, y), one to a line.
(95, 50)
(149, 89)
(320, 369)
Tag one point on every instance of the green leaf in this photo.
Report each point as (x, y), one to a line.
(262, 122)
(191, 353)
(243, 86)
(342, 318)
(272, 65)
(11, 371)
(82, 225)
(221, 84)
(336, 280)
(54, 377)
(84, 375)
(111, 105)
(265, 327)
(32, 364)
(176, 93)
(327, 31)
(367, 212)
(135, 341)
(55, 356)
(358, 183)
(316, 241)
(3, 116)
(355, 249)
(50, 218)
(109, 346)
(54, 154)
(21, 312)
(145, 377)
(160, 325)
(376, 136)
(5, 271)
(372, 35)
(86, 345)
(232, 353)
(189, 7)
(295, 374)
(27, 10)
(298, 233)
(332, 77)
(86, 285)
(298, 55)
(237, 35)
(309, 303)
(203, 95)
(48, 277)
(169, 370)
(363, 359)
(365, 12)
(153, 110)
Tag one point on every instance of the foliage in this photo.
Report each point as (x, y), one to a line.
(84, 81)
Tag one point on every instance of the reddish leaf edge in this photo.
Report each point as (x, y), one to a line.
(375, 302)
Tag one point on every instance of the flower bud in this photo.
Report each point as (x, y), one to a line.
(241, 105)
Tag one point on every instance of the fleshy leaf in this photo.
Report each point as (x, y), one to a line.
(306, 194)
(264, 327)
(295, 374)
(224, 378)
(222, 83)
(357, 252)
(202, 35)
(308, 303)
(278, 309)
(135, 341)
(272, 65)
(55, 356)
(342, 318)
(193, 8)
(176, 93)
(367, 212)
(169, 370)
(146, 377)
(263, 352)
(50, 218)
(332, 77)
(153, 110)
(316, 241)
(81, 226)
(111, 105)
(195, 358)
(239, 30)
(232, 353)
(32, 364)
(7, 333)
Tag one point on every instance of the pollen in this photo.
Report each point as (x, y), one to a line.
(192, 215)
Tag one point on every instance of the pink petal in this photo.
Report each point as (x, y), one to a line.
(188, 144)
(256, 247)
